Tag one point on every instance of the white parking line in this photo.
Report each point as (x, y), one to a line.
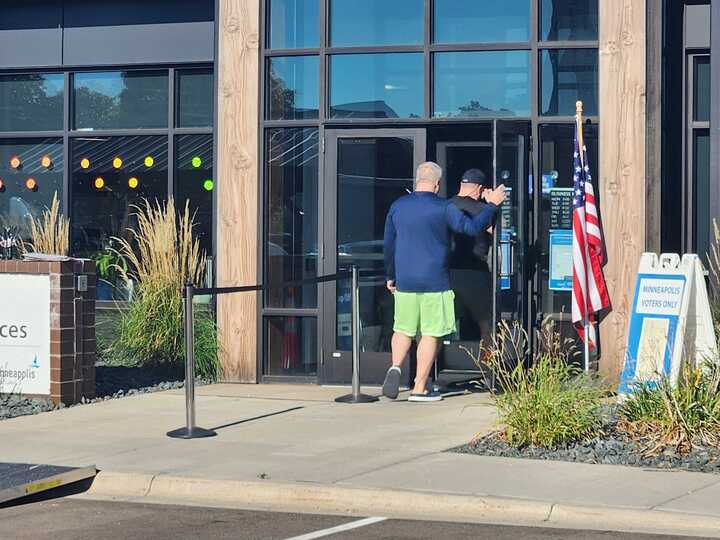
(340, 528)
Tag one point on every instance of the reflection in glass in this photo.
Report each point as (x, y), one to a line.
(121, 100)
(489, 21)
(567, 20)
(293, 87)
(291, 346)
(388, 85)
(566, 76)
(194, 182)
(32, 102)
(701, 89)
(376, 22)
(17, 202)
(292, 215)
(104, 195)
(701, 181)
(294, 24)
(481, 84)
(371, 174)
(195, 98)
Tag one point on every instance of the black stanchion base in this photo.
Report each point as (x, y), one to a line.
(192, 433)
(360, 398)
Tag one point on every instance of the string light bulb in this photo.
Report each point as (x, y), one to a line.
(117, 162)
(15, 162)
(46, 161)
(133, 182)
(149, 161)
(208, 185)
(31, 184)
(99, 182)
(2, 185)
(196, 162)
(84, 163)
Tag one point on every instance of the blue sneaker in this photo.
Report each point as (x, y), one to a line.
(426, 396)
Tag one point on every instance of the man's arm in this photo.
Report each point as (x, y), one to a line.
(389, 247)
(461, 223)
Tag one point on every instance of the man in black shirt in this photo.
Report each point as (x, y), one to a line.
(470, 276)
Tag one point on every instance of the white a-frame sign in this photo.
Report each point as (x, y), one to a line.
(671, 321)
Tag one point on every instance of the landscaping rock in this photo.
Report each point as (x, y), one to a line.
(612, 449)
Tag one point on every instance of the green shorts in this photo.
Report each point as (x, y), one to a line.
(425, 313)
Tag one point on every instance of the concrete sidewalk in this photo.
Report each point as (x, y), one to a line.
(293, 448)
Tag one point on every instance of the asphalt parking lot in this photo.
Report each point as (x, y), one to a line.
(81, 519)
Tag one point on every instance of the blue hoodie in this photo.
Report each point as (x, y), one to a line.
(417, 239)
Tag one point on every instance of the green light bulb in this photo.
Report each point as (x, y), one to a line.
(196, 162)
(208, 185)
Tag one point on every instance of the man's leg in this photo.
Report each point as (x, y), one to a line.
(427, 348)
(400, 348)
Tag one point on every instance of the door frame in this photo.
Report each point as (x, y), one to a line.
(327, 234)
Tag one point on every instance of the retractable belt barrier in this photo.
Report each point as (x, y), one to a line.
(192, 431)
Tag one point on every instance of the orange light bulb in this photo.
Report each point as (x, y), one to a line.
(15, 162)
(31, 184)
(46, 161)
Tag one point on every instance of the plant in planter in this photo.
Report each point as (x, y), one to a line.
(111, 267)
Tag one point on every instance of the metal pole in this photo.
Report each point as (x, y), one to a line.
(586, 323)
(356, 396)
(190, 431)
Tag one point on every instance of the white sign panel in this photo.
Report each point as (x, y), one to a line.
(25, 334)
(657, 296)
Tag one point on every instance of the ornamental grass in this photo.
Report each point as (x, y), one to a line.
(162, 253)
(543, 399)
(50, 234)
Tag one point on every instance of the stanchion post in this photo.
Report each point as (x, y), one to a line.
(356, 396)
(190, 431)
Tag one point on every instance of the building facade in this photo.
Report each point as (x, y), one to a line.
(292, 125)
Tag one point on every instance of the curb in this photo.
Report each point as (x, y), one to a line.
(399, 504)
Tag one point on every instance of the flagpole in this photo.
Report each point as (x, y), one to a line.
(586, 321)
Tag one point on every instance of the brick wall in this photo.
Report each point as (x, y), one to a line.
(72, 325)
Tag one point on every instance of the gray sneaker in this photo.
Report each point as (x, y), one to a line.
(425, 397)
(391, 386)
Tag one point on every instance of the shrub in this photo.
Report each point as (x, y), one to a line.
(544, 400)
(161, 255)
(661, 416)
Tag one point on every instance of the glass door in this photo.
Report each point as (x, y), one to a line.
(365, 172)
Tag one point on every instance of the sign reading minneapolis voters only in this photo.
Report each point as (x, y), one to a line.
(24, 334)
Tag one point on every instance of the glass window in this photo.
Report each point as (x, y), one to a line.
(489, 21)
(195, 98)
(294, 24)
(31, 172)
(701, 88)
(121, 100)
(701, 181)
(566, 20)
(388, 85)
(376, 22)
(291, 346)
(291, 214)
(480, 84)
(568, 75)
(194, 182)
(32, 102)
(108, 176)
(294, 91)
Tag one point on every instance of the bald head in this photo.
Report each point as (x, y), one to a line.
(427, 177)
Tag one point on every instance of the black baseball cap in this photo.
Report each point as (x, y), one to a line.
(473, 176)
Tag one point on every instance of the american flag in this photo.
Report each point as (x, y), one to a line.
(589, 293)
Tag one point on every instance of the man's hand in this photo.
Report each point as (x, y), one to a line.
(391, 285)
(496, 196)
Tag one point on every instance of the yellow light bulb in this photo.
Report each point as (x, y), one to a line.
(149, 161)
(117, 162)
(85, 163)
(99, 182)
(133, 182)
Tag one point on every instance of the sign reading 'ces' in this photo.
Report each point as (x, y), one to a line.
(24, 334)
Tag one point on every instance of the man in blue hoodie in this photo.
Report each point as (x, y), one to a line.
(418, 232)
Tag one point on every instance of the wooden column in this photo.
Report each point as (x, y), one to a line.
(622, 183)
(237, 191)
